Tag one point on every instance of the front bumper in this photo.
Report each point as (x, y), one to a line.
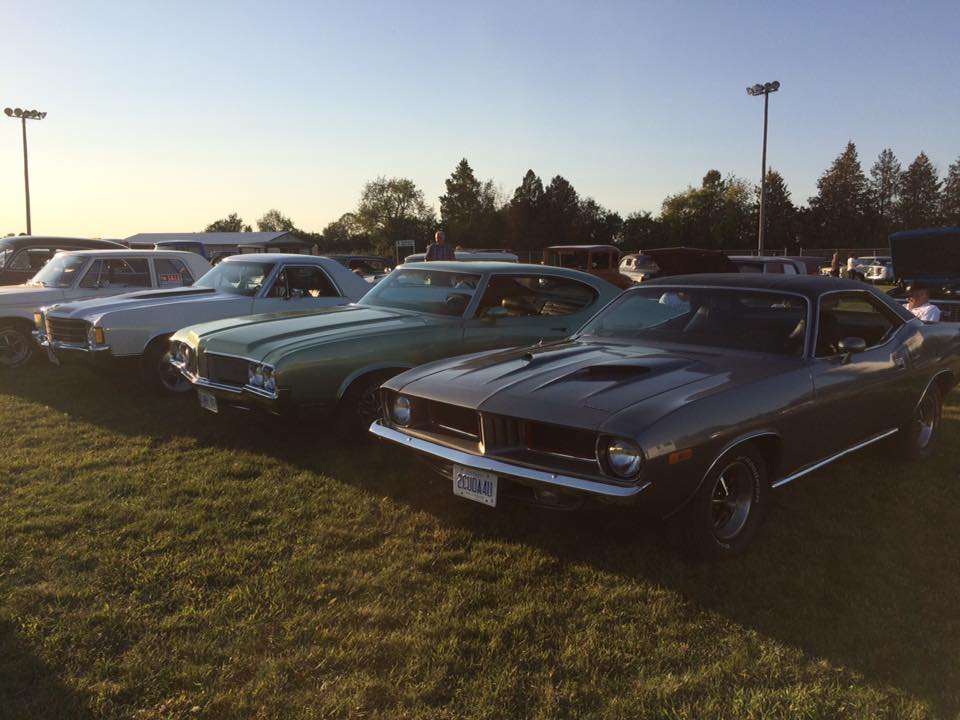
(240, 397)
(70, 351)
(537, 479)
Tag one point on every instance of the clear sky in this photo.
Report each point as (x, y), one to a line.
(164, 116)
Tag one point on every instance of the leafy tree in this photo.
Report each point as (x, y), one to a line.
(919, 202)
(884, 185)
(839, 209)
(345, 234)
(595, 225)
(950, 202)
(642, 231)
(275, 221)
(781, 214)
(394, 209)
(231, 223)
(720, 214)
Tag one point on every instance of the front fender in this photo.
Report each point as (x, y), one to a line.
(367, 369)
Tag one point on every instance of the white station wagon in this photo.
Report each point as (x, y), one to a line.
(137, 326)
(82, 274)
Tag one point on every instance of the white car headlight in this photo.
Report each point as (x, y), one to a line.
(255, 375)
(401, 410)
(623, 457)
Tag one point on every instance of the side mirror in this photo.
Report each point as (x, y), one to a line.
(851, 346)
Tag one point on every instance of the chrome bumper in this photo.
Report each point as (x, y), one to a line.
(43, 341)
(523, 475)
(234, 390)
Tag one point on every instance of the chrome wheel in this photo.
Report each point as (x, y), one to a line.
(926, 419)
(732, 499)
(15, 348)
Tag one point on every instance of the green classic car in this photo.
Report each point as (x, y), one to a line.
(335, 360)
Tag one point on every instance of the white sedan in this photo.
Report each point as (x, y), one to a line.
(137, 326)
(82, 274)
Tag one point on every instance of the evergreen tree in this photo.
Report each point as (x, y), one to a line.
(461, 207)
(838, 211)
(781, 214)
(919, 202)
(642, 231)
(884, 186)
(561, 208)
(524, 214)
(950, 200)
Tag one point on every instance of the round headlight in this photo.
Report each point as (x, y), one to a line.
(255, 375)
(269, 380)
(400, 412)
(623, 458)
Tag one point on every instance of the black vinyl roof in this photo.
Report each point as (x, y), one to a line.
(809, 285)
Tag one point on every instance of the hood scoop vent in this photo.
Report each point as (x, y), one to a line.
(610, 373)
(178, 292)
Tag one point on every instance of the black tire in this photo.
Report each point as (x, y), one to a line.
(158, 373)
(360, 404)
(916, 437)
(722, 518)
(16, 346)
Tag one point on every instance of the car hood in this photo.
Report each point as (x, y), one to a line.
(582, 383)
(136, 300)
(33, 295)
(263, 337)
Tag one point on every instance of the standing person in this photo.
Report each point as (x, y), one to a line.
(918, 302)
(851, 268)
(835, 265)
(438, 249)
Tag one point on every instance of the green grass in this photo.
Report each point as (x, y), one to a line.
(156, 562)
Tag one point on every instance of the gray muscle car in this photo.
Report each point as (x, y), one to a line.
(692, 396)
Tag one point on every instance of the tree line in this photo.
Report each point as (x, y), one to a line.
(851, 209)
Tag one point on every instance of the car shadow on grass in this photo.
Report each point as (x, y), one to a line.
(30, 689)
(857, 564)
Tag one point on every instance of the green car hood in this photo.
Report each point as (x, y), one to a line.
(261, 337)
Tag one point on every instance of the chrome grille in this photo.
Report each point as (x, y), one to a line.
(226, 369)
(68, 331)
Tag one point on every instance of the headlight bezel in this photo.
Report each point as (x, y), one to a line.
(405, 417)
(262, 377)
(620, 457)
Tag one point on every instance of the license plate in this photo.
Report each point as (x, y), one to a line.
(475, 485)
(208, 401)
(52, 357)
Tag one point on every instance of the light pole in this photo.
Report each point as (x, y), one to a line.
(764, 90)
(25, 115)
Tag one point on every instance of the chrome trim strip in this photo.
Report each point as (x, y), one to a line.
(206, 384)
(588, 487)
(827, 461)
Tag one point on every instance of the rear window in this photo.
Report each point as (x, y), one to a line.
(172, 273)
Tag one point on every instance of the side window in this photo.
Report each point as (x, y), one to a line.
(117, 272)
(789, 269)
(21, 261)
(172, 273)
(303, 281)
(844, 315)
(535, 295)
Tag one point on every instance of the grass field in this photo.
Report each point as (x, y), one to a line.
(156, 562)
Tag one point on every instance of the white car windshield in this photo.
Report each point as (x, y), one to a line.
(239, 278)
(439, 292)
(752, 320)
(61, 272)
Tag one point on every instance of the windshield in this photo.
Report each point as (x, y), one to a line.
(752, 320)
(61, 272)
(438, 292)
(239, 278)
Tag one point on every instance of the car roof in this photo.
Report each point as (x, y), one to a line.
(276, 257)
(507, 268)
(763, 258)
(126, 252)
(583, 247)
(810, 285)
(43, 241)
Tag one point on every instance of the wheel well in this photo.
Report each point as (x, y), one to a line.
(20, 323)
(154, 342)
(946, 382)
(384, 373)
(770, 448)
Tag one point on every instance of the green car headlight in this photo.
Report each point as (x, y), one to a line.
(255, 375)
(624, 457)
(401, 410)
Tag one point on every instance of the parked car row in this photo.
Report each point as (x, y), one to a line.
(688, 396)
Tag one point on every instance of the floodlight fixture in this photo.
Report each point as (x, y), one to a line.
(23, 116)
(764, 90)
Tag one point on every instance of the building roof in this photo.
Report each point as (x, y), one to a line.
(208, 238)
